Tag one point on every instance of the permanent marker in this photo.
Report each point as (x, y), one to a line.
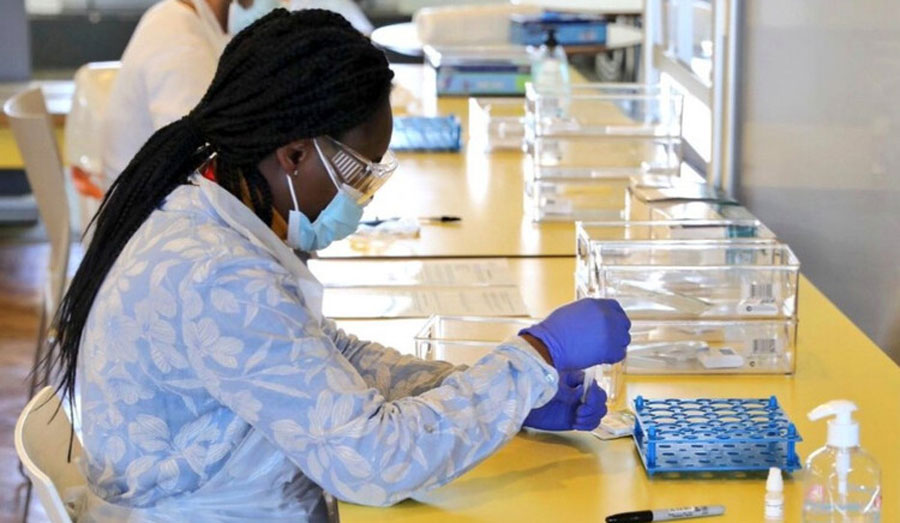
(667, 514)
(425, 219)
(439, 219)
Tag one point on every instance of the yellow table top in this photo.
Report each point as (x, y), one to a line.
(576, 477)
(10, 158)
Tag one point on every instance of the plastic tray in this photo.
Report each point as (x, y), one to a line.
(714, 435)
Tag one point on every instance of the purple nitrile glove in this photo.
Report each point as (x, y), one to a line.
(567, 411)
(584, 333)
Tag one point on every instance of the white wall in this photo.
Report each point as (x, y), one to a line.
(820, 146)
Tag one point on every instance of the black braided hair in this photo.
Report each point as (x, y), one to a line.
(287, 76)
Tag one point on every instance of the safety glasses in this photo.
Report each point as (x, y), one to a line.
(347, 167)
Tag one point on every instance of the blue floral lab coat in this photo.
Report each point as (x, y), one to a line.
(206, 362)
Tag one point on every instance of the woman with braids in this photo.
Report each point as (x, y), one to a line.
(209, 386)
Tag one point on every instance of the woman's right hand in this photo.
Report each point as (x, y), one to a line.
(584, 333)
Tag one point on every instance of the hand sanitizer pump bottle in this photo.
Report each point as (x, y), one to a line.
(842, 482)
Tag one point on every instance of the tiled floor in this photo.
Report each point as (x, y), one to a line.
(22, 273)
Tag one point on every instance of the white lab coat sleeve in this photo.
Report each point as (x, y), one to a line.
(176, 79)
(260, 352)
(395, 375)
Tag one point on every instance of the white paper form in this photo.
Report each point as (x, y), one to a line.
(427, 273)
(412, 302)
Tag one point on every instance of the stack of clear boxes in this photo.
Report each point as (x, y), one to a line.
(586, 141)
(705, 296)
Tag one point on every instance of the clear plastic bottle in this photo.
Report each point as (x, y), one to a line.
(842, 482)
(550, 74)
(549, 65)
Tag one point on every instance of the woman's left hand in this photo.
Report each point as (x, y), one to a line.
(567, 411)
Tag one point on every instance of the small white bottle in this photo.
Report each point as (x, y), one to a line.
(774, 510)
(842, 482)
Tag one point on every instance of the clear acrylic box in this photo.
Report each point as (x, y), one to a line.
(463, 340)
(721, 279)
(604, 156)
(697, 210)
(570, 199)
(586, 140)
(642, 198)
(604, 109)
(588, 233)
(578, 199)
(496, 123)
(657, 346)
(712, 347)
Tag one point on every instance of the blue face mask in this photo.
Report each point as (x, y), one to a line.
(239, 17)
(339, 219)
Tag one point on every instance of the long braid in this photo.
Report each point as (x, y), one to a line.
(287, 76)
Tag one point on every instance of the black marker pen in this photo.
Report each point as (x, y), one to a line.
(666, 514)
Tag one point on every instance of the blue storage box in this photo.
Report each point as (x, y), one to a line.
(479, 71)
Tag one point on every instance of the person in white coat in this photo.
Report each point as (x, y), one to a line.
(170, 60)
(211, 386)
(166, 68)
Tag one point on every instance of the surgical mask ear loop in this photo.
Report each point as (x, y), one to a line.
(291, 187)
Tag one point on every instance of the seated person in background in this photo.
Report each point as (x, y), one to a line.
(166, 68)
(170, 60)
(211, 387)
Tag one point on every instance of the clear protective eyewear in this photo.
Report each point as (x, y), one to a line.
(349, 168)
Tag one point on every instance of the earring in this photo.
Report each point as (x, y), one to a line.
(296, 172)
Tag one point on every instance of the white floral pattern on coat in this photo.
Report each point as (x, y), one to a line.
(200, 338)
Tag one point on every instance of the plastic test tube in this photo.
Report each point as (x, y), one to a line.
(588, 381)
(610, 380)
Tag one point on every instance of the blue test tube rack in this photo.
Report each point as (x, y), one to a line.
(714, 435)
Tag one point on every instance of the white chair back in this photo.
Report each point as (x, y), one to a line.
(42, 443)
(33, 129)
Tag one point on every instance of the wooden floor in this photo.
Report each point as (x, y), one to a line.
(22, 275)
